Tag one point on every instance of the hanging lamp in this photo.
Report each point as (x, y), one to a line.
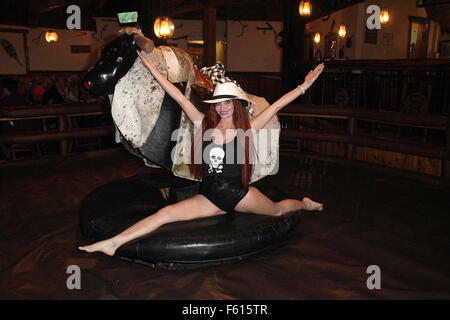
(164, 27)
(305, 8)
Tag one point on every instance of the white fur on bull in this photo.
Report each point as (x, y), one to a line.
(265, 141)
(137, 100)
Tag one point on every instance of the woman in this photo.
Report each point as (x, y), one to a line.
(72, 89)
(225, 183)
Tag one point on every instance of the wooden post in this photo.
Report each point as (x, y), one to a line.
(209, 36)
(445, 162)
(62, 126)
(150, 10)
(351, 130)
(293, 46)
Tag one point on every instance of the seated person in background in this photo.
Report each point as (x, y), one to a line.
(38, 91)
(11, 96)
(51, 94)
(2, 91)
(60, 84)
(72, 89)
(85, 96)
(30, 88)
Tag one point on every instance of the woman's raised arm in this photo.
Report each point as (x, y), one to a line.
(191, 111)
(261, 120)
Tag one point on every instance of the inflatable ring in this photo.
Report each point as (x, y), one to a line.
(111, 208)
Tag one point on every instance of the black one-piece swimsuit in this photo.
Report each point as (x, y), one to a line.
(222, 184)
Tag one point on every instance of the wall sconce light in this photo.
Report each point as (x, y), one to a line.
(305, 8)
(51, 36)
(384, 16)
(342, 31)
(317, 38)
(164, 27)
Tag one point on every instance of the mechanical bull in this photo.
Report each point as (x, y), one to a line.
(149, 123)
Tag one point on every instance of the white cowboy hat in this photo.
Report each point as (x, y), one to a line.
(228, 91)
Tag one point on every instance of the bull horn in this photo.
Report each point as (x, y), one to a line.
(144, 43)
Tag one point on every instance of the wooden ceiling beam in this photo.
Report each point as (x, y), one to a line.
(209, 36)
(231, 4)
(173, 12)
(101, 4)
(37, 7)
(324, 13)
(200, 5)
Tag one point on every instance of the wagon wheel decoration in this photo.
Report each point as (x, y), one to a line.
(416, 102)
(341, 98)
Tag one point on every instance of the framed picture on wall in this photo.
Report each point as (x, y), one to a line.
(388, 39)
(371, 36)
(13, 51)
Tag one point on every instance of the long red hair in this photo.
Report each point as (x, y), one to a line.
(210, 121)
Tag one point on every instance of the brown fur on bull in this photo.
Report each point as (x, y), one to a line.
(142, 41)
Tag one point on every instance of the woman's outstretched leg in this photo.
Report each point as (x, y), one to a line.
(256, 202)
(189, 209)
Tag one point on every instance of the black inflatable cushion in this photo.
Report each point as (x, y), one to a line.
(112, 208)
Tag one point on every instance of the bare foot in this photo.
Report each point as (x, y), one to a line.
(312, 205)
(106, 246)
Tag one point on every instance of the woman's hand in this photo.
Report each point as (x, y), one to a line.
(150, 65)
(312, 76)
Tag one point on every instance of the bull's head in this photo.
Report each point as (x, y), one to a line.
(116, 59)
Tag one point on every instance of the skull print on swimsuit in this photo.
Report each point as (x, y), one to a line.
(216, 156)
(222, 160)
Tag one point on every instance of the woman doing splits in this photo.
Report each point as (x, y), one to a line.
(225, 182)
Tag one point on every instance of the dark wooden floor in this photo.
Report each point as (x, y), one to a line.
(397, 224)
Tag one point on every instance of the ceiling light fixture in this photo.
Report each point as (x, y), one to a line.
(305, 8)
(164, 27)
(384, 16)
(51, 36)
(317, 38)
(342, 31)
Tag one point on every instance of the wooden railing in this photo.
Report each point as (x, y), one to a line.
(293, 129)
(262, 84)
(409, 86)
(63, 132)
